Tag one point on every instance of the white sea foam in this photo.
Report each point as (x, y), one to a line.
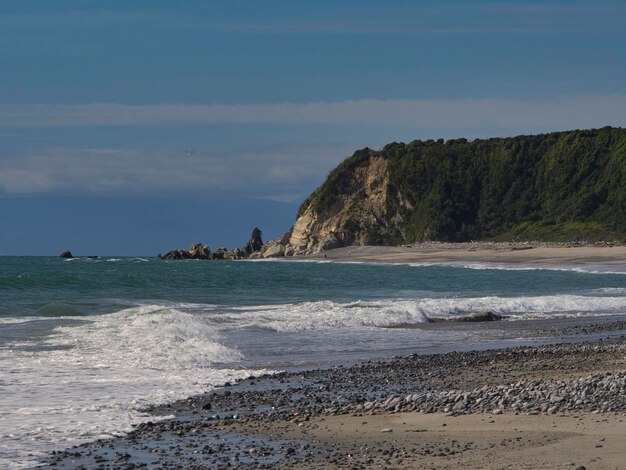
(576, 268)
(327, 315)
(611, 290)
(92, 380)
(16, 320)
(579, 268)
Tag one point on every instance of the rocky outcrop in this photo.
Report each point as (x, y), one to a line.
(274, 251)
(66, 254)
(254, 244)
(200, 251)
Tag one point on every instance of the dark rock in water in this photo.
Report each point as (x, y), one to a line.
(93, 257)
(196, 251)
(200, 251)
(176, 254)
(472, 317)
(66, 254)
(254, 244)
(481, 316)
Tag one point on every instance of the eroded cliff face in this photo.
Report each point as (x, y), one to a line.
(358, 209)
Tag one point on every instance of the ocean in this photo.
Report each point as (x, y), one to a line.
(87, 344)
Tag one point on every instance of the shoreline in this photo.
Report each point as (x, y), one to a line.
(558, 405)
(504, 253)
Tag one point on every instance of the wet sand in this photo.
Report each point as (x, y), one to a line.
(470, 441)
(483, 252)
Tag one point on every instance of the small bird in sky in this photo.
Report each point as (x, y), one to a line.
(189, 152)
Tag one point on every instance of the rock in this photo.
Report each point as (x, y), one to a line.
(481, 316)
(274, 251)
(66, 254)
(357, 209)
(329, 242)
(199, 251)
(176, 254)
(254, 244)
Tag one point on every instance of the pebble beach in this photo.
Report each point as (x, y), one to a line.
(544, 406)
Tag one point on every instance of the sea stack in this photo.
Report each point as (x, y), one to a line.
(254, 244)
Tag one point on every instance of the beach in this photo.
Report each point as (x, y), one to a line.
(509, 253)
(549, 406)
(412, 357)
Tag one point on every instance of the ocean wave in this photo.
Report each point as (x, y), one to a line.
(581, 269)
(57, 310)
(611, 290)
(574, 268)
(327, 315)
(93, 379)
(148, 336)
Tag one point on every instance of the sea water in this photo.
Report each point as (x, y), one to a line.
(87, 344)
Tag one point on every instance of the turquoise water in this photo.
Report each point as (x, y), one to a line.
(90, 287)
(85, 344)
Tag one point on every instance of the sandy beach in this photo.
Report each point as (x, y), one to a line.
(525, 253)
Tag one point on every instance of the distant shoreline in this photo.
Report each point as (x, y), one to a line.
(522, 253)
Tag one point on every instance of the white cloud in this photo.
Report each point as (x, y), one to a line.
(272, 173)
(474, 115)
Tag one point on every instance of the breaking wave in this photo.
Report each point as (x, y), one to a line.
(326, 315)
(92, 379)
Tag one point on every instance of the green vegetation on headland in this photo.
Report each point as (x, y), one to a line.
(551, 187)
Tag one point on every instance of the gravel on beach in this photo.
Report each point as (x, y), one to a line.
(233, 426)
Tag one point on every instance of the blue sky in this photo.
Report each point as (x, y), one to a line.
(100, 99)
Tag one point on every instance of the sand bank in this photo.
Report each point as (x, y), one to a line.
(496, 253)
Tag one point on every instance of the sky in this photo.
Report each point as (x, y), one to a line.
(100, 101)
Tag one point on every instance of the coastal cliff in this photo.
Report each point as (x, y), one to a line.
(551, 187)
